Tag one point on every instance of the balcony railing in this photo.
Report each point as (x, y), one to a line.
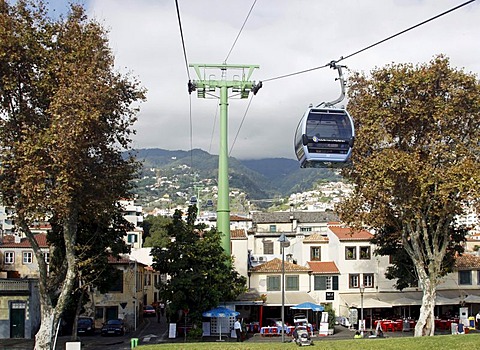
(14, 286)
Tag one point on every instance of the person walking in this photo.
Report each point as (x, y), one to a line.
(238, 329)
(162, 308)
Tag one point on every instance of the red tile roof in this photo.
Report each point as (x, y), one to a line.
(347, 234)
(467, 262)
(275, 265)
(323, 267)
(9, 241)
(234, 217)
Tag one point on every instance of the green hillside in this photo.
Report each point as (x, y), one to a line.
(191, 171)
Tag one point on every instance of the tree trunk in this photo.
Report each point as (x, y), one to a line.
(426, 322)
(44, 338)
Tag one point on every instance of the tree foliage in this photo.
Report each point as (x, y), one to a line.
(66, 117)
(200, 274)
(415, 166)
(155, 229)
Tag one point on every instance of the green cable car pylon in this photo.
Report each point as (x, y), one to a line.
(206, 87)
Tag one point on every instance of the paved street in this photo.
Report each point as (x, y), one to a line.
(151, 332)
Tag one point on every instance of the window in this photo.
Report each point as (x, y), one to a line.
(465, 277)
(9, 257)
(46, 256)
(148, 279)
(291, 283)
(350, 253)
(273, 283)
(27, 257)
(305, 229)
(353, 281)
(368, 280)
(273, 228)
(325, 283)
(132, 238)
(365, 253)
(268, 247)
(315, 254)
(117, 282)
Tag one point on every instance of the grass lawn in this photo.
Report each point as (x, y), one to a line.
(447, 342)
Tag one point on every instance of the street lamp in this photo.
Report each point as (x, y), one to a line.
(362, 322)
(283, 244)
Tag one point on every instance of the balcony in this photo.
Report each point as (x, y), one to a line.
(15, 286)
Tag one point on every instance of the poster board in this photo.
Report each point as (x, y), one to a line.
(172, 330)
(323, 330)
(206, 329)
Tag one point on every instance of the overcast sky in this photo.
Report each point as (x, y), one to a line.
(282, 37)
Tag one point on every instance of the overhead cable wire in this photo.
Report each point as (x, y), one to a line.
(188, 74)
(375, 44)
(238, 35)
(183, 41)
(240, 127)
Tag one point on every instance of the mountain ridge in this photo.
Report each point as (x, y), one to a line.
(258, 178)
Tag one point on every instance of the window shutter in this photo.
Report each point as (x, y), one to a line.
(335, 282)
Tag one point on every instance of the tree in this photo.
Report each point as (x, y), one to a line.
(200, 274)
(66, 118)
(155, 228)
(415, 166)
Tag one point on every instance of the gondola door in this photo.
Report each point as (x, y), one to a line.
(17, 320)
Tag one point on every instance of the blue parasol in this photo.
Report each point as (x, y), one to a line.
(220, 312)
(308, 306)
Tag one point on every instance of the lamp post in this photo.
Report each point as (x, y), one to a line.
(283, 244)
(362, 324)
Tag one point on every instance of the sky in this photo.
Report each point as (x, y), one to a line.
(282, 37)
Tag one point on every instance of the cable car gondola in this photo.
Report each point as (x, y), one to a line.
(325, 134)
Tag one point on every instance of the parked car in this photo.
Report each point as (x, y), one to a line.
(85, 325)
(148, 310)
(113, 327)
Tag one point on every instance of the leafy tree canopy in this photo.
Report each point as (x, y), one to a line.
(66, 117)
(415, 164)
(155, 230)
(201, 275)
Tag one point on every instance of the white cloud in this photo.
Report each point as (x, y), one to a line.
(282, 36)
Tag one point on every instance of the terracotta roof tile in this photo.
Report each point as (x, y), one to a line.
(275, 265)
(239, 218)
(347, 234)
(9, 241)
(315, 238)
(323, 267)
(467, 262)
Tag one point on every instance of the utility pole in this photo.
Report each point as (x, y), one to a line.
(206, 87)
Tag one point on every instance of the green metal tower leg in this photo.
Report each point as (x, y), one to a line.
(223, 206)
(205, 87)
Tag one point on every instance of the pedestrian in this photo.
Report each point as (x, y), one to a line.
(158, 314)
(162, 308)
(238, 329)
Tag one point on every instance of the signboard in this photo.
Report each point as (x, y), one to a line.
(353, 316)
(172, 330)
(329, 296)
(206, 329)
(324, 317)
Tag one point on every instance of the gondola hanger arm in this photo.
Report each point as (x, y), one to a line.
(334, 65)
